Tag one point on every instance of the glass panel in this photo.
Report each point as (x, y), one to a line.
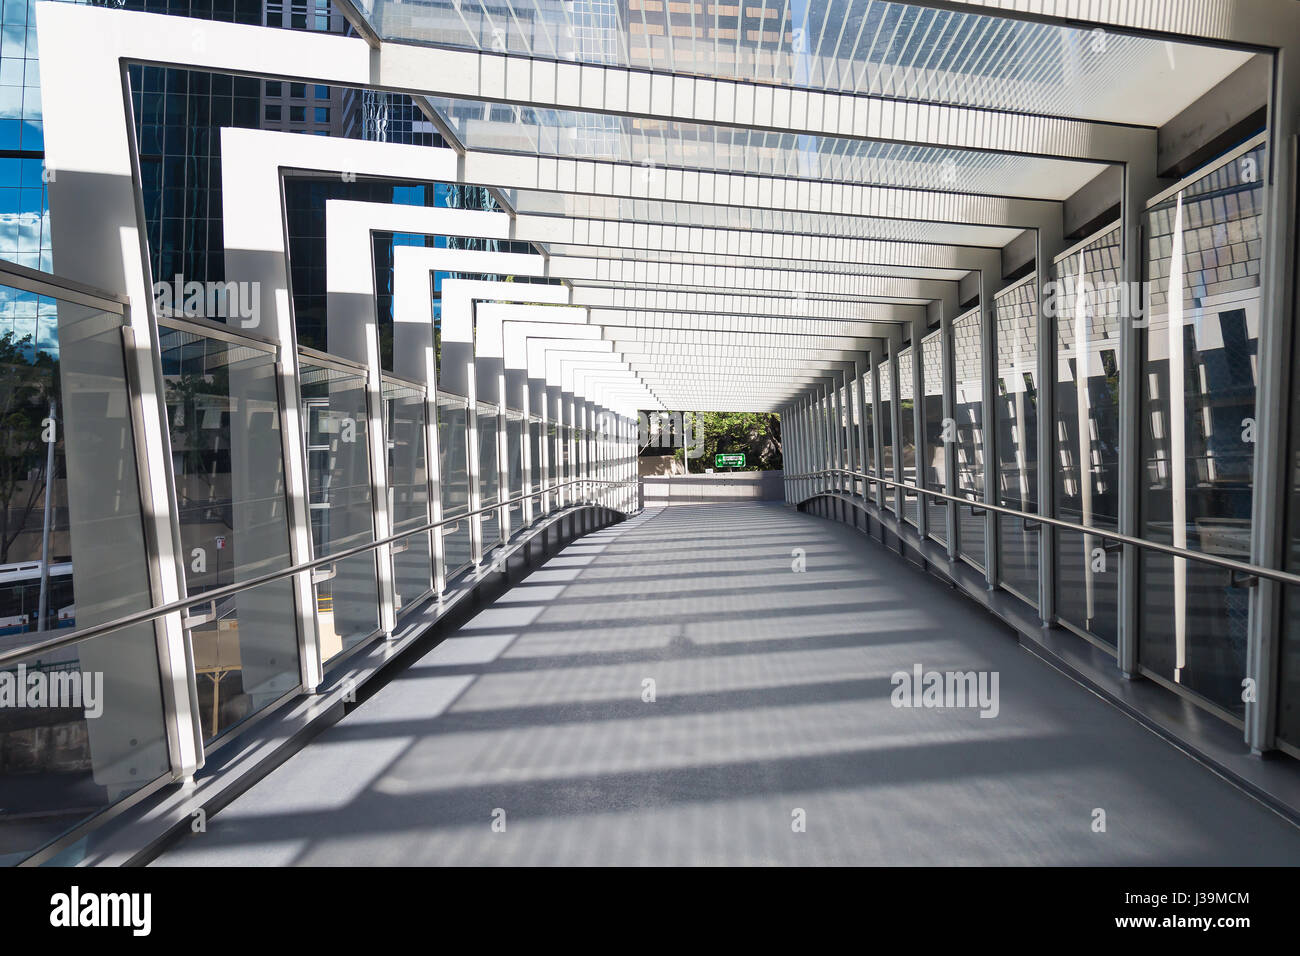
(936, 515)
(814, 437)
(73, 544)
(567, 461)
(563, 471)
(819, 448)
(570, 461)
(227, 459)
(869, 410)
(342, 516)
(600, 462)
(590, 467)
(822, 447)
(453, 483)
(408, 491)
(907, 429)
(968, 339)
(552, 461)
(579, 457)
(834, 433)
(835, 421)
(1087, 435)
(858, 461)
(846, 430)
(1017, 423)
(515, 467)
(489, 478)
(1198, 415)
(535, 461)
(1288, 709)
(886, 386)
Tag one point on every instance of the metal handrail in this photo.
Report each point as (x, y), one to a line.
(181, 604)
(61, 287)
(1230, 564)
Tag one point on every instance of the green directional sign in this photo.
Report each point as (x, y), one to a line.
(731, 460)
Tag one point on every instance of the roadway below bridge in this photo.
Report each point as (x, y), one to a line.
(672, 690)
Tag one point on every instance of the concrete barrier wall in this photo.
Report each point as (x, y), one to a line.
(721, 486)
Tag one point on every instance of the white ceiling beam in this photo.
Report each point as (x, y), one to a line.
(693, 239)
(746, 324)
(714, 303)
(1260, 23)
(558, 178)
(813, 266)
(629, 272)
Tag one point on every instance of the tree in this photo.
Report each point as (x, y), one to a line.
(755, 434)
(27, 387)
(189, 395)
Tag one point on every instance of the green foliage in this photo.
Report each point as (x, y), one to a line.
(189, 395)
(756, 434)
(28, 385)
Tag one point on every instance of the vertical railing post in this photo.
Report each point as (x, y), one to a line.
(990, 278)
(920, 327)
(1269, 541)
(896, 420)
(1049, 246)
(837, 428)
(948, 348)
(878, 445)
(861, 368)
(1138, 185)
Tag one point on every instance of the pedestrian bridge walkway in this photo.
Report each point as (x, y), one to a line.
(529, 736)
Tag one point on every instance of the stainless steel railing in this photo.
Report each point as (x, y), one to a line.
(216, 594)
(1244, 569)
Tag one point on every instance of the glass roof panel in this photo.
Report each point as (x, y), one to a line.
(864, 46)
(764, 220)
(792, 292)
(752, 262)
(766, 293)
(652, 144)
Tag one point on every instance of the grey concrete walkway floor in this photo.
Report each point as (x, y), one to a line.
(526, 737)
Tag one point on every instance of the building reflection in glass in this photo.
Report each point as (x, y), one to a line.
(453, 481)
(340, 500)
(1198, 418)
(969, 446)
(1087, 315)
(886, 386)
(934, 454)
(1016, 411)
(223, 417)
(907, 429)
